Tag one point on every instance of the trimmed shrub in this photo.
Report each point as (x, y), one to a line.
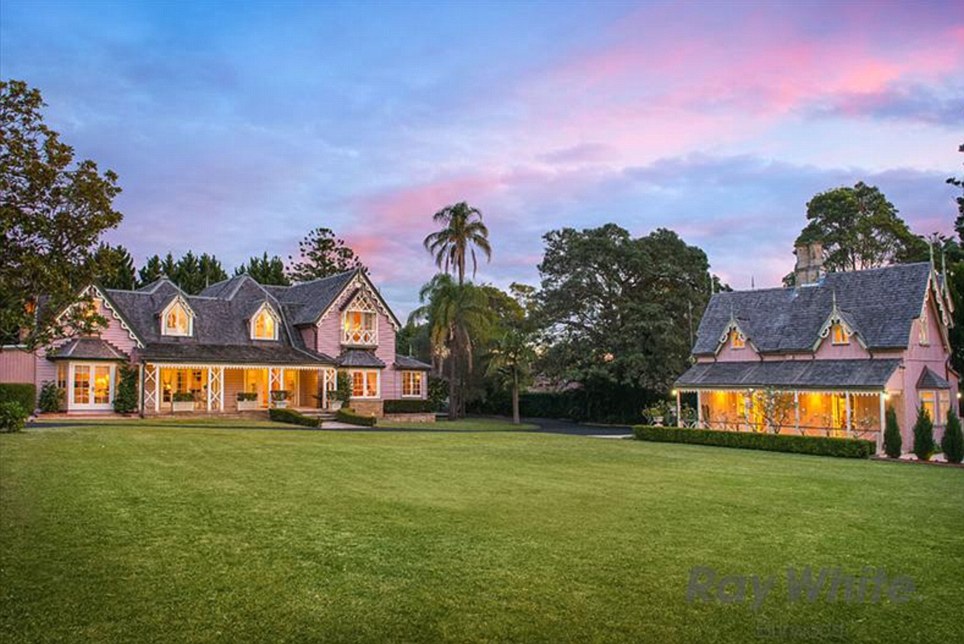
(923, 435)
(247, 395)
(125, 398)
(346, 415)
(182, 396)
(24, 393)
(292, 417)
(12, 417)
(343, 388)
(408, 406)
(952, 443)
(892, 439)
(52, 397)
(816, 445)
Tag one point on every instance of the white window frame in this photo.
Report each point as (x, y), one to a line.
(90, 405)
(265, 309)
(190, 320)
(365, 337)
(845, 337)
(421, 383)
(378, 383)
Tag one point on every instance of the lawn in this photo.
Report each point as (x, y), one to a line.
(224, 533)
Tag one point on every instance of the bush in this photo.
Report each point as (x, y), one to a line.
(52, 397)
(346, 415)
(816, 445)
(438, 392)
(182, 396)
(892, 439)
(278, 395)
(408, 406)
(24, 393)
(247, 395)
(343, 388)
(952, 443)
(292, 417)
(125, 398)
(12, 417)
(923, 435)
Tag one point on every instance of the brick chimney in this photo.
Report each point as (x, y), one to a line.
(809, 267)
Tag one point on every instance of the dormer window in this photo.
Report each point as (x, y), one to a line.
(177, 320)
(737, 339)
(360, 323)
(264, 324)
(838, 334)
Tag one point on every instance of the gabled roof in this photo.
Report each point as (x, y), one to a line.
(411, 364)
(879, 304)
(360, 358)
(791, 374)
(87, 348)
(930, 380)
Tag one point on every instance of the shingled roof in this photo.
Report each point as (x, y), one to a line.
(791, 374)
(878, 304)
(87, 348)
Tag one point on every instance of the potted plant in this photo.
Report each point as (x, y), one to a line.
(656, 413)
(279, 398)
(248, 400)
(182, 401)
(342, 397)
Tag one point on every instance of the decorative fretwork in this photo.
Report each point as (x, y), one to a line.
(360, 322)
(150, 387)
(216, 389)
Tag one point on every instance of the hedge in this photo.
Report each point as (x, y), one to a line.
(24, 393)
(816, 445)
(408, 406)
(292, 417)
(346, 415)
(12, 417)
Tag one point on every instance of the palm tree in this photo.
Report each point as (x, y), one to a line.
(462, 232)
(510, 362)
(455, 314)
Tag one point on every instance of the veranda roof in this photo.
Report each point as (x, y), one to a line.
(790, 374)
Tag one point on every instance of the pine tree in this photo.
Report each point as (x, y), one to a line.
(321, 254)
(892, 440)
(151, 271)
(952, 443)
(265, 270)
(923, 435)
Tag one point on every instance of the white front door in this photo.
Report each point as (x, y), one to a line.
(91, 386)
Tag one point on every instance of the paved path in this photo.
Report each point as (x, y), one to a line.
(554, 426)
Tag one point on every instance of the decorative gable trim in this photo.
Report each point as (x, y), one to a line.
(837, 317)
(94, 291)
(945, 319)
(733, 327)
(357, 286)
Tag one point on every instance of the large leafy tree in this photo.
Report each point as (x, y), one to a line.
(322, 254)
(959, 221)
(52, 214)
(859, 228)
(265, 270)
(114, 267)
(616, 309)
(461, 233)
(457, 315)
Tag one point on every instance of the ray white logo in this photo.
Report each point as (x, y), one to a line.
(871, 586)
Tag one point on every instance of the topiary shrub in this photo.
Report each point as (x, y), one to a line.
(13, 417)
(892, 439)
(923, 435)
(291, 417)
(24, 393)
(346, 415)
(343, 387)
(952, 443)
(52, 398)
(125, 397)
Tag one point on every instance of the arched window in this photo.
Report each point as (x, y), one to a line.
(264, 326)
(177, 320)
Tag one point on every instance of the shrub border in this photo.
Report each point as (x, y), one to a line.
(815, 445)
(292, 417)
(347, 415)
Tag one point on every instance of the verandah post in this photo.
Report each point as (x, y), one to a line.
(679, 409)
(210, 388)
(883, 421)
(847, 408)
(699, 408)
(796, 410)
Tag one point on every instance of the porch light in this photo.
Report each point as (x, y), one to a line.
(674, 392)
(958, 395)
(886, 395)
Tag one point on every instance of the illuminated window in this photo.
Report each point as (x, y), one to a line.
(838, 334)
(412, 383)
(361, 323)
(364, 384)
(177, 321)
(943, 406)
(922, 328)
(81, 385)
(264, 326)
(928, 400)
(737, 339)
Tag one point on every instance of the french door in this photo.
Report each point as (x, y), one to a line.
(91, 386)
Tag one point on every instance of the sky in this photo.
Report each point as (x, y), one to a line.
(237, 128)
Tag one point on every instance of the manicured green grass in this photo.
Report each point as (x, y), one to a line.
(133, 532)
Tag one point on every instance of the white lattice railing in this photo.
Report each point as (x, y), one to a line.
(360, 336)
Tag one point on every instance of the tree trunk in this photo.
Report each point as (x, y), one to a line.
(453, 387)
(515, 400)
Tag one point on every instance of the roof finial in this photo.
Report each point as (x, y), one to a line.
(833, 294)
(752, 284)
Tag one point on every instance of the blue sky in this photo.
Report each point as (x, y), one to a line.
(235, 129)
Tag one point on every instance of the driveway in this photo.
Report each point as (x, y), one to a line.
(555, 426)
